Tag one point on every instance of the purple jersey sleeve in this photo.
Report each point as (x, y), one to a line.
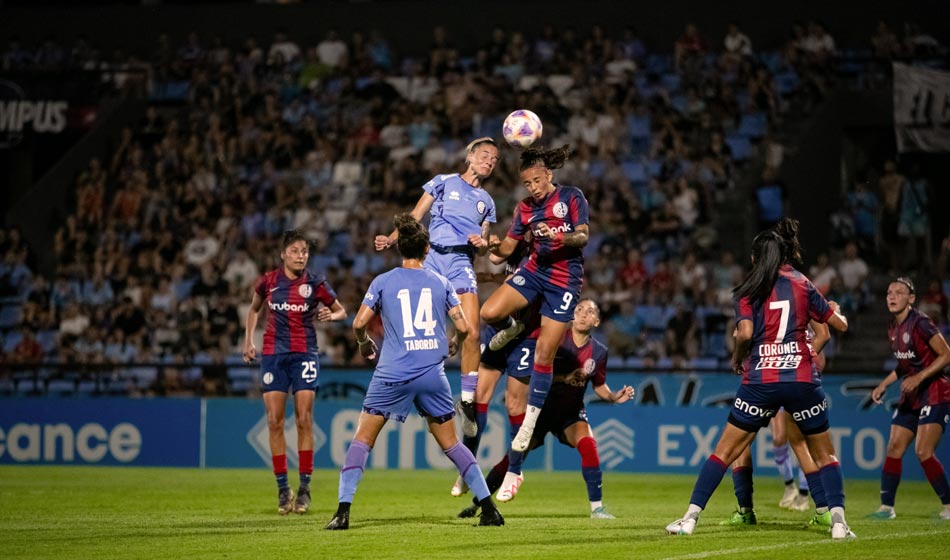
(373, 298)
(451, 298)
(435, 185)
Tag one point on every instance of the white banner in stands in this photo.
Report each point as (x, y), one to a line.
(921, 109)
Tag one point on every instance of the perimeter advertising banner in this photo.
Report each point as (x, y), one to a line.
(671, 428)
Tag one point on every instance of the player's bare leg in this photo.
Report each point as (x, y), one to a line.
(275, 403)
(552, 333)
(303, 415)
(470, 358)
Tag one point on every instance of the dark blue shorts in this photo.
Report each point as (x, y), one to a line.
(556, 302)
(910, 418)
(516, 359)
(293, 371)
(756, 405)
(556, 420)
(429, 391)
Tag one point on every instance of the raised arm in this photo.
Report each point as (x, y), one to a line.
(621, 396)
(422, 207)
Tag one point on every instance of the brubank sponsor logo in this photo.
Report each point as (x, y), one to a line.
(563, 228)
(908, 355)
(288, 307)
(90, 443)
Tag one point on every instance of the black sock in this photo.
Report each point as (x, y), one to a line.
(503, 324)
(487, 504)
(343, 508)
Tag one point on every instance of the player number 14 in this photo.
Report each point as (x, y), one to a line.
(423, 319)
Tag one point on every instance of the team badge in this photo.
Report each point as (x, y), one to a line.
(560, 209)
(518, 280)
(268, 378)
(905, 337)
(480, 207)
(589, 366)
(305, 290)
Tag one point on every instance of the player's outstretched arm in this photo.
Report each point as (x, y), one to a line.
(619, 396)
(838, 321)
(336, 312)
(502, 248)
(422, 207)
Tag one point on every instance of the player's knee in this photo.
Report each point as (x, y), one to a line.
(275, 422)
(924, 454)
(304, 421)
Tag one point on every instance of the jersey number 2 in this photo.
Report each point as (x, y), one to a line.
(423, 319)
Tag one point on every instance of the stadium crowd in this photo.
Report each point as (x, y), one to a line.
(168, 232)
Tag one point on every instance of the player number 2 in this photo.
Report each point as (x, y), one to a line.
(423, 317)
(783, 321)
(525, 354)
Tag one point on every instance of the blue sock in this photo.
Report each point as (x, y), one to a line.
(282, 481)
(709, 478)
(305, 480)
(816, 489)
(468, 468)
(353, 466)
(785, 468)
(742, 482)
(540, 384)
(593, 477)
(515, 458)
(833, 483)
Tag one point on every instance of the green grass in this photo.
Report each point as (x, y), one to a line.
(101, 512)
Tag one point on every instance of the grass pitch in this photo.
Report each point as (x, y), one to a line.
(102, 512)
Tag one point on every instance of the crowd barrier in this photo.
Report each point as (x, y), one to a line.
(671, 427)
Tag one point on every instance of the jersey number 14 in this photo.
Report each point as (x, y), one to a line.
(422, 319)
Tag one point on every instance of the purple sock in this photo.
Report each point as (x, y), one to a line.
(833, 483)
(742, 482)
(468, 468)
(469, 382)
(709, 478)
(352, 471)
(816, 489)
(785, 467)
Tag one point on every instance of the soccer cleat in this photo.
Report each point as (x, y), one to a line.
(466, 411)
(522, 438)
(460, 487)
(340, 522)
(490, 517)
(840, 531)
(739, 518)
(285, 501)
(601, 513)
(791, 492)
(509, 487)
(470, 511)
(302, 502)
(821, 520)
(945, 512)
(504, 336)
(683, 526)
(800, 503)
(884, 513)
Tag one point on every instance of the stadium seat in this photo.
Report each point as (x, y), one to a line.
(60, 387)
(634, 171)
(753, 125)
(679, 103)
(595, 168)
(671, 82)
(10, 340)
(786, 82)
(10, 315)
(740, 146)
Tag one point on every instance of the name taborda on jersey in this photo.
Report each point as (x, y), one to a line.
(424, 344)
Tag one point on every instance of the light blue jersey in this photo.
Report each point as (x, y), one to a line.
(413, 304)
(459, 210)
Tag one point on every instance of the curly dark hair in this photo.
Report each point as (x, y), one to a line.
(292, 236)
(413, 236)
(787, 229)
(551, 159)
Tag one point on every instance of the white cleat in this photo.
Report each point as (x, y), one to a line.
(601, 513)
(840, 531)
(504, 336)
(459, 488)
(945, 513)
(791, 492)
(522, 438)
(509, 487)
(800, 503)
(683, 526)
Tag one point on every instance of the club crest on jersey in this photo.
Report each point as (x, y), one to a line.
(560, 209)
(268, 378)
(518, 280)
(304, 290)
(905, 337)
(589, 365)
(480, 207)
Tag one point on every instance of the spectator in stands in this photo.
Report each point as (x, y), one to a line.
(689, 49)
(28, 350)
(933, 303)
(890, 186)
(736, 45)
(770, 200)
(681, 339)
(862, 205)
(854, 273)
(913, 227)
(822, 273)
(885, 43)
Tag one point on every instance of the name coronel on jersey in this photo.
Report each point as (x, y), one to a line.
(563, 228)
(288, 307)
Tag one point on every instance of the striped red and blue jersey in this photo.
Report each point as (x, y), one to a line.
(910, 341)
(575, 367)
(293, 309)
(563, 211)
(780, 351)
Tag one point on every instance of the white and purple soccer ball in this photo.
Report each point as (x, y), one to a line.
(522, 128)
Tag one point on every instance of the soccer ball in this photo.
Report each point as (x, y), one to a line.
(522, 128)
